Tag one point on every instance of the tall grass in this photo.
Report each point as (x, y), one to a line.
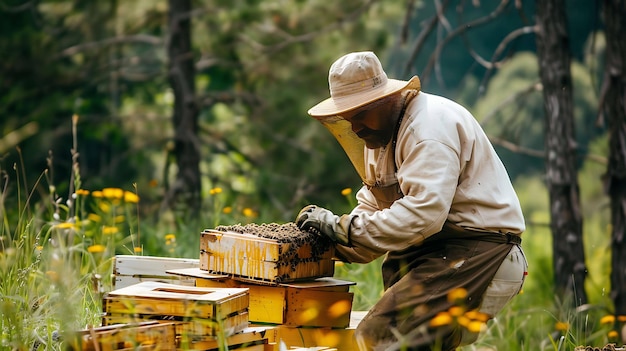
(56, 262)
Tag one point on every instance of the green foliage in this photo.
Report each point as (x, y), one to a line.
(512, 110)
(260, 66)
(61, 251)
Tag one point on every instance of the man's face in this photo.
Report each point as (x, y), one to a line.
(374, 123)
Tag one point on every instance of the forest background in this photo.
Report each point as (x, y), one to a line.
(88, 102)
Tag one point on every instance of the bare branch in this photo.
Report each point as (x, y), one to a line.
(511, 36)
(404, 33)
(421, 39)
(434, 58)
(540, 153)
(513, 97)
(18, 8)
(137, 38)
(308, 36)
(440, 14)
(517, 148)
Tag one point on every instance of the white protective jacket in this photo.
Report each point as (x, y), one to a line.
(444, 168)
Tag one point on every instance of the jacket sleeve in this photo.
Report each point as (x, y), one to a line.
(356, 253)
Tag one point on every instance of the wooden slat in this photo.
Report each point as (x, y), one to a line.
(322, 302)
(122, 281)
(154, 298)
(265, 271)
(307, 307)
(129, 269)
(249, 337)
(140, 336)
(331, 338)
(150, 265)
(251, 258)
(194, 327)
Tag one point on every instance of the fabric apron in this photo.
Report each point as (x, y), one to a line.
(418, 282)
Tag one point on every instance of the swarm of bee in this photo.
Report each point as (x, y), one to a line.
(287, 233)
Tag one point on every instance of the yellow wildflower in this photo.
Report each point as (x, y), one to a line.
(170, 239)
(346, 191)
(464, 321)
(104, 207)
(561, 326)
(109, 230)
(227, 209)
(96, 248)
(621, 318)
(82, 192)
(113, 193)
(613, 334)
(441, 319)
(65, 225)
(119, 219)
(131, 197)
(457, 294)
(456, 311)
(248, 212)
(52, 275)
(137, 249)
(215, 191)
(97, 193)
(476, 326)
(39, 248)
(94, 217)
(608, 319)
(476, 315)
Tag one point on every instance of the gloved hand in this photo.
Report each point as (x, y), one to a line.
(335, 227)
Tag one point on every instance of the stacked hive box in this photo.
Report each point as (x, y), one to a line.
(199, 311)
(288, 273)
(275, 277)
(150, 335)
(266, 253)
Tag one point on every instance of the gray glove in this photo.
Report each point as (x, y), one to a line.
(335, 227)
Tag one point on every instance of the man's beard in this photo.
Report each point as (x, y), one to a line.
(374, 138)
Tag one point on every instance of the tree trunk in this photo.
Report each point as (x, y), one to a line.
(187, 186)
(614, 110)
(561, 178)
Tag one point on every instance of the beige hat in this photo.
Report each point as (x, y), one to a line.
(355, 80)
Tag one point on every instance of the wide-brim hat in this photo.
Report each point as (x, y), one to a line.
(355, 80)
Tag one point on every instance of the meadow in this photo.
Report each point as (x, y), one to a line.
(56, 264)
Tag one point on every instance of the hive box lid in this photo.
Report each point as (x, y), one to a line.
(160, 290)
(322, 282)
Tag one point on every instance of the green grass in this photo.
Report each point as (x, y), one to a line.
(56, 262)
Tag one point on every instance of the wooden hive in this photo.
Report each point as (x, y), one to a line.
(198, 311)
(150, 335)
(249, 339)
(250, 257)
(130, 269)
(321, 302)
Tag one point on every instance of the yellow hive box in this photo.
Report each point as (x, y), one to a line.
(321, 302)
(140, 336)
(252, 258)
(203, 311)
(251, 338)
(195, 328)
(283, 337)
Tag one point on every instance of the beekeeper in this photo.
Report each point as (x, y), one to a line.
(436, 200)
